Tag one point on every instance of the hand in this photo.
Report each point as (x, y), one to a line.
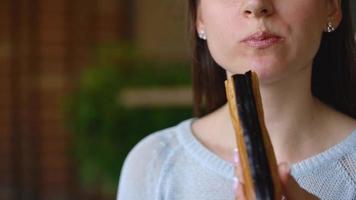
(290, 188)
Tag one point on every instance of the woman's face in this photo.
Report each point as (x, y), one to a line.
(275, 38)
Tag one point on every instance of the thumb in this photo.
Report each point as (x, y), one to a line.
(284, 173)
(290, 187)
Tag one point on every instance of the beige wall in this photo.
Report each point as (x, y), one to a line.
(160, 29)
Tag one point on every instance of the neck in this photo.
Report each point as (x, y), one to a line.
(289, 110)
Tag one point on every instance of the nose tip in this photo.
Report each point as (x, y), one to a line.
(257, 8)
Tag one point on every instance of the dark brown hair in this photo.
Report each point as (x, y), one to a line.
(333, 76)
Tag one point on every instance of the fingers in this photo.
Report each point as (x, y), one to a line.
(238, 169)
(239, 192)
(290, 186)
(238, 180)
(284, 173)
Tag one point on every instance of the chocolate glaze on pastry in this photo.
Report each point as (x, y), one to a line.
(255, 150)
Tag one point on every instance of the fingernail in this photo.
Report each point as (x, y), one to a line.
(236, 185)
(236, 156)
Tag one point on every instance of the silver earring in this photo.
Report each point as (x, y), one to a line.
(330, 27)
(202, 34)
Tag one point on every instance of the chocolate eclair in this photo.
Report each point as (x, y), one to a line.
(256, 155)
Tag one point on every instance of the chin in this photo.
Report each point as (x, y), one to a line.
(266, 72)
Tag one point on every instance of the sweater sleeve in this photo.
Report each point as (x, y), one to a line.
(141, 170)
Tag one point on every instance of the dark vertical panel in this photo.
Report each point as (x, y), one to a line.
(14, 96)
(53, 163)
(353, 13)
(127, 18)
(24, 102)
(93, 26)
(81, 37)
(70, 71)
(33, 104)
(6, 175)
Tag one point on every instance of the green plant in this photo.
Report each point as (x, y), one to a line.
(104, 130)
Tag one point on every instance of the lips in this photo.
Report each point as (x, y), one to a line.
(262, 40)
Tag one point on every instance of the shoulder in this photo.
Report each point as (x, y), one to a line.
(159, 143)
(332, 173)
(341, 153)
(143, 166)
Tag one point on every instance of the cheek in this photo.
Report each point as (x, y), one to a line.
(304, 13)
(305, 25)
(220, 18)
(223, 28)
(304, 18)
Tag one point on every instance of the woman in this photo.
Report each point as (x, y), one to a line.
(303, 53)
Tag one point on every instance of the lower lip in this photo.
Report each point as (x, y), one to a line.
(261, 44)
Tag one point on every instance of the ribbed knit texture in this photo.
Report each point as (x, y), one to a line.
(172, 164)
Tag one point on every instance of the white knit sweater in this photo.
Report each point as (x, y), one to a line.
(172, 164)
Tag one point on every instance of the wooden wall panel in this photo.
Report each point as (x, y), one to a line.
(5, 129)
(43, 47)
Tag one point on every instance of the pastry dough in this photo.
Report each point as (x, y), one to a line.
(257, 159)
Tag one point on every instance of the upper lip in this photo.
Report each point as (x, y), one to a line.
(260, 35)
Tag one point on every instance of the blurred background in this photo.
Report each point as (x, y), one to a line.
(81, 82)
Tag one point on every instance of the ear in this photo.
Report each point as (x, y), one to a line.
(334, 14)
(199, 23)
